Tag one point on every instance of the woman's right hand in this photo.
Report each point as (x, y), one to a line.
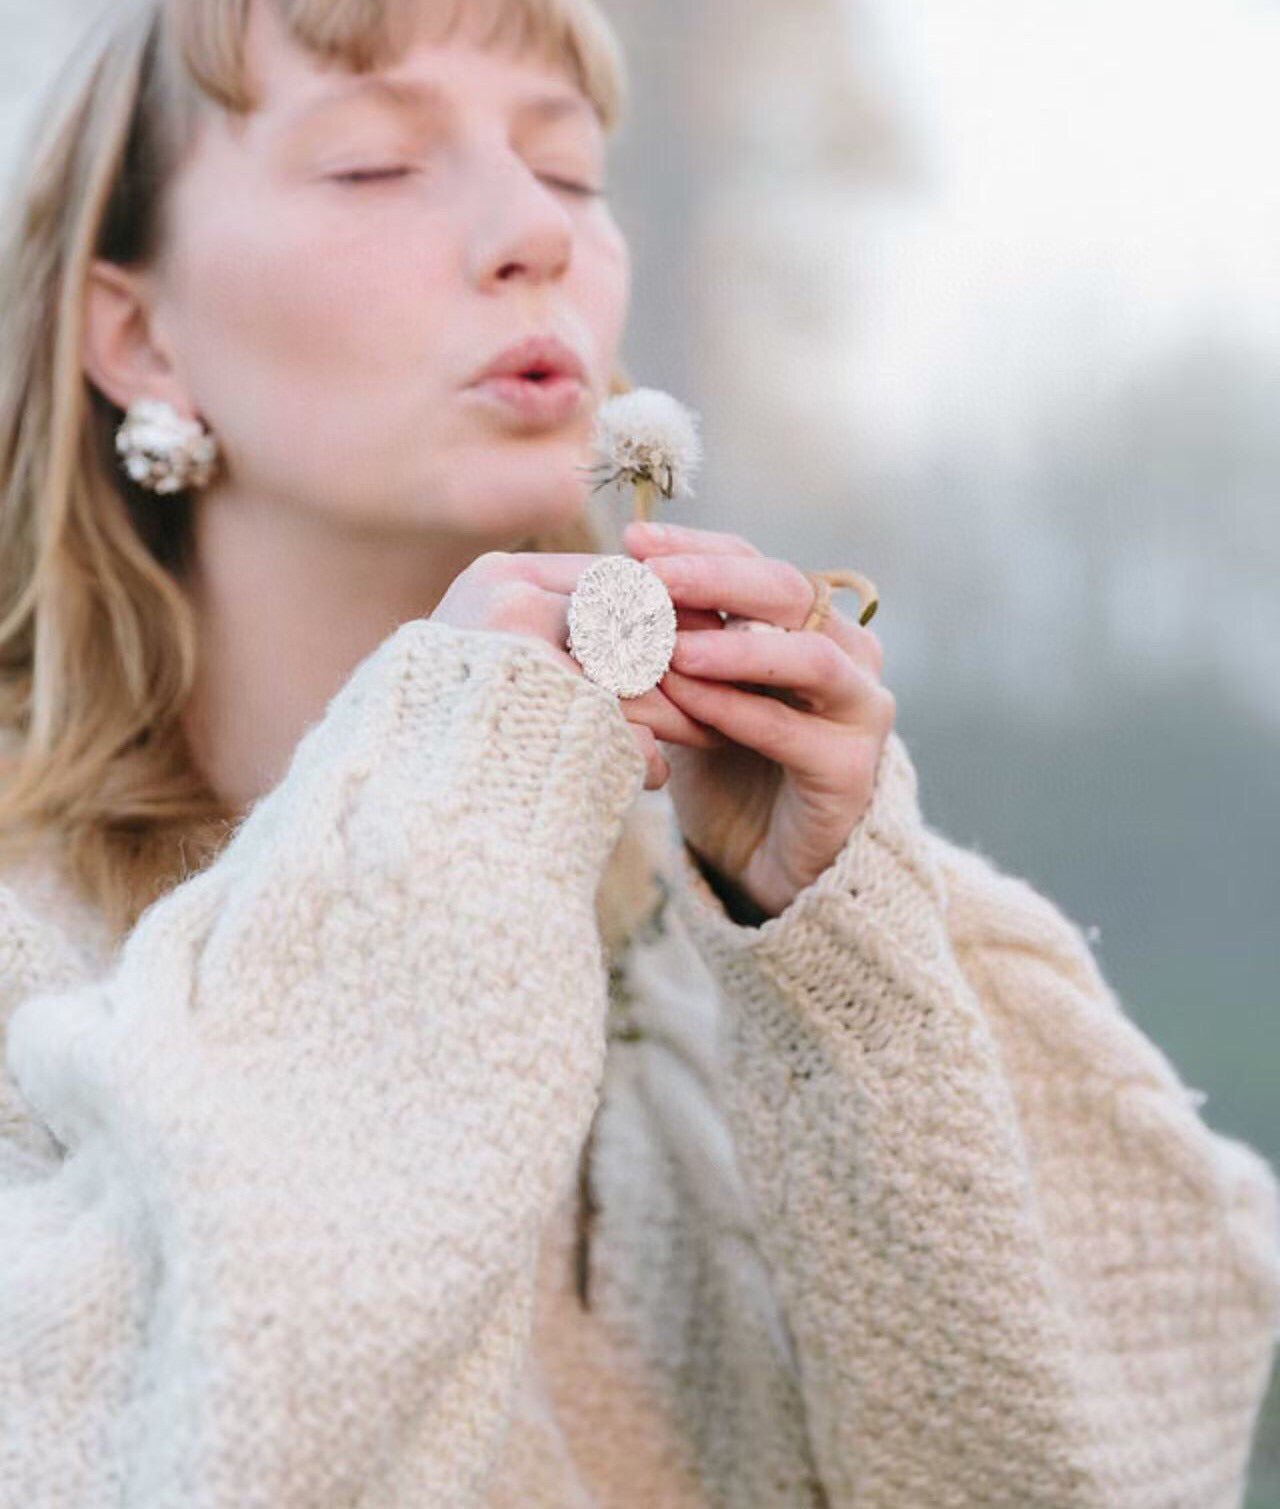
(527, 592)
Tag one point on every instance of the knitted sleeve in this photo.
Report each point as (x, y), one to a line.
(1018, 1267)
(310, 1125)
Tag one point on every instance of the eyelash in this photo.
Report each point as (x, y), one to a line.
(361, 176)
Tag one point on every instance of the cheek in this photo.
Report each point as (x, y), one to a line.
(605, 283)
(306, 294)
(307, 335)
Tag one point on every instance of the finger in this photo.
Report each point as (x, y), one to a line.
(559, 572)
(555, 571)
(515, 605)
(794, 739)
(761, 588)
(646, 540)
(859, 643)
(864, 646)
(749, 586)
(521, 606)
(656, 711)
(643, 538)
(805, 662)
(657, 770)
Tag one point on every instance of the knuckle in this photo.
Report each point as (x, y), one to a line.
(798, 584)
(866, 763)
(492, 565)
(512, 602)
(788, 736)
(872, 645)
(832, 660)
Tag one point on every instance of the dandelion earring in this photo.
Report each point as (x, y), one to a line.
(162, 451)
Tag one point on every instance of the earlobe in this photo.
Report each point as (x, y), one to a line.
(119, 352)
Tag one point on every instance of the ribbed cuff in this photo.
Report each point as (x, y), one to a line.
(882, 897)
(487, 735)
(535, 741)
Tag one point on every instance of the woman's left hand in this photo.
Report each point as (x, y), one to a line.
(773, 804)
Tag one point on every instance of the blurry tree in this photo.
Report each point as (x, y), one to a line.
(756, 125)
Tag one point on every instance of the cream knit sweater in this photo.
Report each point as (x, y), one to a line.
(897, 1209)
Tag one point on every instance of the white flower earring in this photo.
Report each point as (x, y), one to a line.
(162, 451)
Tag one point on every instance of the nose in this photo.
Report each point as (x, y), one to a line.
(520, 229)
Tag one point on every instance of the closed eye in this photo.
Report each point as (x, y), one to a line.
(576, 188)
(389, 175)
(371, 175)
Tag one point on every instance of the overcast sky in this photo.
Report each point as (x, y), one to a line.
(1097, 175)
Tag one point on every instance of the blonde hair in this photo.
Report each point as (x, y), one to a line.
(98, 645)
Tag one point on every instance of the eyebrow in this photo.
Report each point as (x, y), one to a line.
(418, 94)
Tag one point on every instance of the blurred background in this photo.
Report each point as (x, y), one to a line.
(983, 300)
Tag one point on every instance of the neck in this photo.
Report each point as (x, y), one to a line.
(287, 606)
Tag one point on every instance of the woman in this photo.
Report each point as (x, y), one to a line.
(336, 1167)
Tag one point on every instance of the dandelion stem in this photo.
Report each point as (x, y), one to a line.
(646, 489)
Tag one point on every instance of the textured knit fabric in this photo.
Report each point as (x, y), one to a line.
(893, 1205)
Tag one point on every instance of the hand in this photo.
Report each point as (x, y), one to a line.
(527, 592)
(772, 807)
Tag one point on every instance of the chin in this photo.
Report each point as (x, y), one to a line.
(524, 500)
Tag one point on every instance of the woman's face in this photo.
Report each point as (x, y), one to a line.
(341, 263)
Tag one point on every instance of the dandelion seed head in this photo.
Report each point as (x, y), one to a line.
(647, 435)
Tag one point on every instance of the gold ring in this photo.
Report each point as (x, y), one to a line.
(820, 608)
(868, 596)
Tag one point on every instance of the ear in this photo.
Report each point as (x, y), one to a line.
(121, 353)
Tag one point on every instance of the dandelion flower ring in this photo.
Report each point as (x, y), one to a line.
(622, 625)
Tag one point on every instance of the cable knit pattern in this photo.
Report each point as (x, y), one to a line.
(318, 1112)
(896, 1208)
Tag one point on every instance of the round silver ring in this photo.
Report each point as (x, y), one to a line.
(622, 625)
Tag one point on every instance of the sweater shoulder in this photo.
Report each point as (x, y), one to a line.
(41, 912)
(994, 909)
(47, 930)
(47, 944)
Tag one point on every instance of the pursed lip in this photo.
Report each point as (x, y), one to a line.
(544, 354)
